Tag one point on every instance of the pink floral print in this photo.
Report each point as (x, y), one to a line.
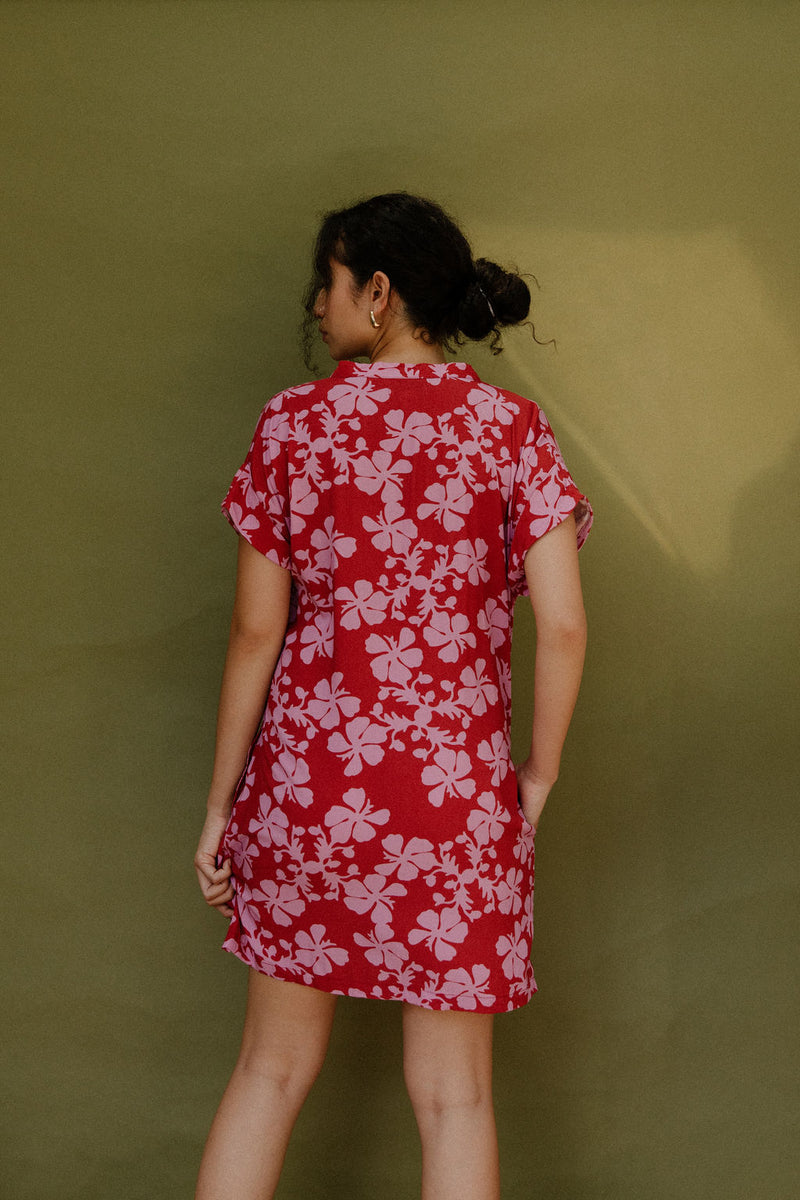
(378, 845)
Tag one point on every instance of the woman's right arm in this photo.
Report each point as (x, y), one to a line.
(258, 628)
(553, 578)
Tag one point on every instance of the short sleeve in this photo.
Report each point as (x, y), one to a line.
(257, 503)
(543, 495)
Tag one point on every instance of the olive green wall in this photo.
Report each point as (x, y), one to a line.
(164, 168)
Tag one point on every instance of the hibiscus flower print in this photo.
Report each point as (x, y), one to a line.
(448, 775)
(549, 505)
(362, 602)
(283, 900)
(361, 742)
(276, 431)
(316, 953)
(469, 558)
(494, 619)
(380, 473)
(356, 395)
(354, 819)
(450, 633)
(390, 529)
(476, 691)
(393, 660)
(380, 949)
(304, 501)
(468, 988)
(496, 755)
(316, 637)
(407, 859)
(374, 895)
(509, 892)
(515, 952)
(244, 522)
(490, 405)
(247, 910)
(441, 930)
(448, 502)
(486, 821)
(272, 825)
(331, 702)
(330, 545)
(242, 851)
(290, 773)
(408, 433)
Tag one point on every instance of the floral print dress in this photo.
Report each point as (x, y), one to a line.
(377, 842)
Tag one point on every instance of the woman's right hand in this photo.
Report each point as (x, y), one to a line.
(215, 882)
(533, 792)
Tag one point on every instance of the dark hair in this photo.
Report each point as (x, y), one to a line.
(429, 264)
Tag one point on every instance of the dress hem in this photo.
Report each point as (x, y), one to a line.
(433, 1004)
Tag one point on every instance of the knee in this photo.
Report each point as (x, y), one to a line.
(284, 1070)
(435, 1092)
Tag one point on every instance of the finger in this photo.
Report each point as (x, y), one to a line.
(215, 886)
(219, 889)
(224, 868)
(219, 895)
(204, 865)
(219, 877)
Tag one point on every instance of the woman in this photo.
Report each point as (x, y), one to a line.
(367, 834)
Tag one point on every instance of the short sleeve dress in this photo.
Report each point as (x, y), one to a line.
(376, 837)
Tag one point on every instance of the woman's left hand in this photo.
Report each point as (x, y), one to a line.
(533, 792)
(215, 882)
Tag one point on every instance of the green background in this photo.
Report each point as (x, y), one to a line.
(164, 168)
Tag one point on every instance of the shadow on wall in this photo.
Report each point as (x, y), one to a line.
(657, 1055)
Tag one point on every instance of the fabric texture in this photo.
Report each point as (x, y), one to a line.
(377, 841)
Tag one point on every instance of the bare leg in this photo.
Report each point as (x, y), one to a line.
(286, 1032)
(448, 1070)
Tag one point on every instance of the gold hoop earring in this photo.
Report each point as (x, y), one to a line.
(375, 324)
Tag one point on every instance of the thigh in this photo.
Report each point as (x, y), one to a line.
(286, 1022)
(447, 1052)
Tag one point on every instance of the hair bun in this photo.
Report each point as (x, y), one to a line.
(494, 298)
(448, 295)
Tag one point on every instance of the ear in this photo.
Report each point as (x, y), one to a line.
(379, 290)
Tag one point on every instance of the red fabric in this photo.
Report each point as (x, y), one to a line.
(378, 845)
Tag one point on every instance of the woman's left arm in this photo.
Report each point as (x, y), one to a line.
(258, 628)
(553, 578)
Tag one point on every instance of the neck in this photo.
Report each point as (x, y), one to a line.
(404, 347)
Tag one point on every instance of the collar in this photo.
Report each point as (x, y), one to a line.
(432, 372)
